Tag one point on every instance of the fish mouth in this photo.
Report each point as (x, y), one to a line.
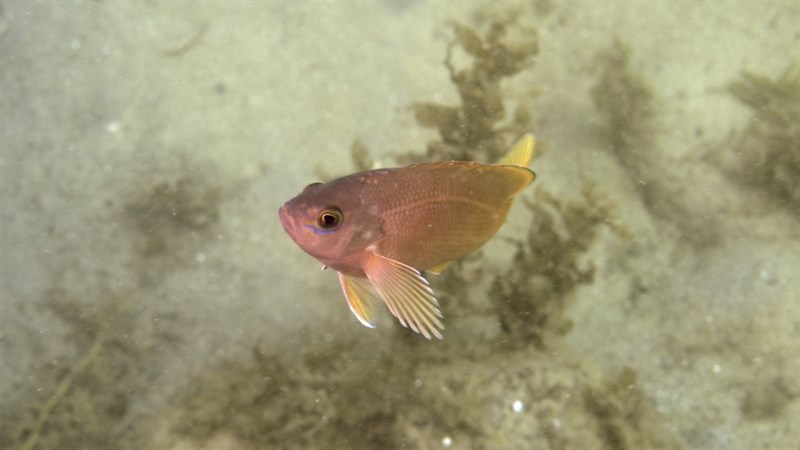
(286, 220)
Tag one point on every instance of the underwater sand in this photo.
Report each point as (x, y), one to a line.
(150, 297)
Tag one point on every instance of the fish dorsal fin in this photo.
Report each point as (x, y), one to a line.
(439, 268)
(407, 295)
(360, 298)
(520, 153)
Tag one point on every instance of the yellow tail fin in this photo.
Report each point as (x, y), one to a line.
(520, 153)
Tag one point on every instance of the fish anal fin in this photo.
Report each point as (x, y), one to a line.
(407, 294)
(360, 298)
(520, 153)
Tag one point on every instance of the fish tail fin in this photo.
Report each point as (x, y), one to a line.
(520, 153)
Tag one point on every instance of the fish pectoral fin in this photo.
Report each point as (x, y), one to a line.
(360, 298)
(520, 153)
(407, 294)
(439, 268)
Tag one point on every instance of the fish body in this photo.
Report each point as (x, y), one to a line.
(380, 228)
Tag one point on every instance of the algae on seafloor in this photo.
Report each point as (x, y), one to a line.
(172, 209)
(84, 399)
(767, 399)
(327, 398)
(471, 131)
(172, 217)
(531, 299)
(625, 420)
(768, 150)
(90, 395)
(625, 99)
(626, 102)
(321, 399)
(477, 129)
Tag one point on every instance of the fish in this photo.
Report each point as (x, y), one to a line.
(381, 229)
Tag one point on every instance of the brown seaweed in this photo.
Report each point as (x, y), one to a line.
(532, 298)
(471, 130)
(769, 148)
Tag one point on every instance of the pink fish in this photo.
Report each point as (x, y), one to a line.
(379, 229)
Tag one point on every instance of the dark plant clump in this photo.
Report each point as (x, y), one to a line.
(769, 148)
(470, 131)
(84, 398)
(530, 300)
(625, 100)
(322, 399)
(185, 206)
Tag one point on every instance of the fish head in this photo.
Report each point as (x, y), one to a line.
(331, 222)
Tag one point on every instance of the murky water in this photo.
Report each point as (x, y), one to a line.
(644, 291)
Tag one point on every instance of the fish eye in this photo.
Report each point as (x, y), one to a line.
(330, 218)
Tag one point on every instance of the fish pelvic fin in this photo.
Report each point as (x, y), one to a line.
(407, 294)
(360, 298)
(521, 153)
